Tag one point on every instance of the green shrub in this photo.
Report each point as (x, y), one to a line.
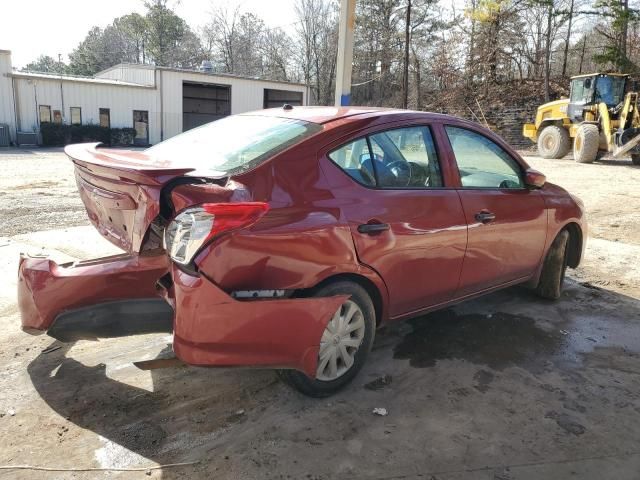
(122, 136)
(54, 134)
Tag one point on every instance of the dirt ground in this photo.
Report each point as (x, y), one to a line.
(506, 387)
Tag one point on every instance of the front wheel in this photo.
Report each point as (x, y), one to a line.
(586, 143)
(345, 343)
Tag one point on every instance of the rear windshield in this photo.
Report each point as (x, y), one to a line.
(234, 144)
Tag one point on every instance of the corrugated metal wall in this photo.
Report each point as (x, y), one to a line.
(165, 96)
(90, 97)
(7, 113)
(130, 73)
(246, 94)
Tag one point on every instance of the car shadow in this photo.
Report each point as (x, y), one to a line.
(178, 419)
(185, 408)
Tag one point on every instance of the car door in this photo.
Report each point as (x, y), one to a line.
(507, 221)
(406, 223)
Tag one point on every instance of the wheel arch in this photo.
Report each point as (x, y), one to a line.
(547, 122)
(373, 290)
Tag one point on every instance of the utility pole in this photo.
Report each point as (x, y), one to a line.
(345, 52)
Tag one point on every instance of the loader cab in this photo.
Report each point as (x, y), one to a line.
(590, 90)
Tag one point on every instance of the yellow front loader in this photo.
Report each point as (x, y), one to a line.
(598, 118)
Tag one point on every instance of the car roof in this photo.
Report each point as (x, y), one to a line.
(319, 114)
(323, 115)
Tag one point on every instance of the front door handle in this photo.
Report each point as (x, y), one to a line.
(371, 228)
(485, 216)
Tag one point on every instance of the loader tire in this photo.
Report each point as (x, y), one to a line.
(553, 142)
(635, 159)
(586, 143)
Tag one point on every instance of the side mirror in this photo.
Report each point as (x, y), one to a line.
(534, 179)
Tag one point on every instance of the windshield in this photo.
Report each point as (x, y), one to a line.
(233, 144)
(610, 90)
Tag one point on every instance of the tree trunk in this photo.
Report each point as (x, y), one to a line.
(547, 54)
(417, 80)
(407, 39)
(568, 41)
(472, 39)
(584, 44)
(624, 34)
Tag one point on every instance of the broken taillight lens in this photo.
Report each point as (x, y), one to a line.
(192, 228)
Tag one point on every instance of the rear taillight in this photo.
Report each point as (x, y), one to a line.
(195, 226)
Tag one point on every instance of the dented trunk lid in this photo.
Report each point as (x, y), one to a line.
(121, 190)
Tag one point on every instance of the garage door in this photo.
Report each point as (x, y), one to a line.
(204, 103)
(276, 98)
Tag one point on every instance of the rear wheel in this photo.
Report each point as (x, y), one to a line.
(635, 158)
(586, 143)
(554, 268)
(553, 142)
(345, 343)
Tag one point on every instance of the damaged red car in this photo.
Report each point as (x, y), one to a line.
(283, 238)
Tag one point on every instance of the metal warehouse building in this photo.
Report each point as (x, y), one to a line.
(158, 102)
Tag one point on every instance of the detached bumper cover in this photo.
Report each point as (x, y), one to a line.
(211, 328)
(47, 290)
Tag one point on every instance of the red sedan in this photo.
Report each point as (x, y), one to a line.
(283, 238)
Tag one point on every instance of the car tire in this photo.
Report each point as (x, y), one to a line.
(554, 268)
(635, 159)
(554, 142)
(318, 387)
(586, 143)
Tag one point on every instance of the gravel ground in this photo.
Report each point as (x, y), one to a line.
(38, 192)
(505, 387)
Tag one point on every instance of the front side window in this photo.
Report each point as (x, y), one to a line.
(405, 158)
(234, 144)
(610, 90)
(482, 163)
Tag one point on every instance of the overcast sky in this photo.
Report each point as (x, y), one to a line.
(30, 28)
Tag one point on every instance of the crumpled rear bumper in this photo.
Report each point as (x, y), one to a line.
(213, 329)
(47, 290)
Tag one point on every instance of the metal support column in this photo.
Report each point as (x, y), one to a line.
(345, 52)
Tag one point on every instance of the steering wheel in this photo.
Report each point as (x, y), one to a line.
(401, 171)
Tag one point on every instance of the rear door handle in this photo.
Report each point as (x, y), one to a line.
(371, 228)
(485, 216)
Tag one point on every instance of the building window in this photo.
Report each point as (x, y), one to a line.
(45, 113)
(76, 116)
(57, 117)
(105, 118)
(276, 98)
(141, 124)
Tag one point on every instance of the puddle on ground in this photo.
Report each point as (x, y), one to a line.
(498, 340)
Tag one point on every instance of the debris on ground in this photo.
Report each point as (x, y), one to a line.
(380, 411)
(379, 383)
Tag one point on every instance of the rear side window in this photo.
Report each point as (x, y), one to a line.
(393, 159)
(354, 159)
(482, 163)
